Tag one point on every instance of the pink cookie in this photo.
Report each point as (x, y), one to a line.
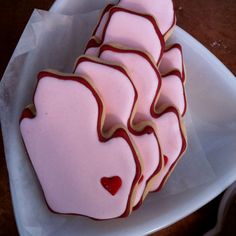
(143, 73)
(120, 98)
(172, 59)
(79, 170)
(172, 137)
(134, 30)
(173, 92)
(161, 10)
(115, 87)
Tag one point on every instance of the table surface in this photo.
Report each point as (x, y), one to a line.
(212, 22)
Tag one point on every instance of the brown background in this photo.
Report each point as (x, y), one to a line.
(212, 22)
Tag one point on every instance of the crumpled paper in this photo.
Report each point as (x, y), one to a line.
(52, 40)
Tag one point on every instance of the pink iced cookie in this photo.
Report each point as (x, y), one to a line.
(172, 137)
(161, 10)
(120, 97)
(80, 172)
(142, 72)
(115, 87)
(133, 30)
(172, 59)
(173, 92)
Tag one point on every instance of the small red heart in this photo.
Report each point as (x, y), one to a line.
(111, 184)
(166, 159)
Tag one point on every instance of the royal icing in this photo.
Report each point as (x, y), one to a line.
(78, 172)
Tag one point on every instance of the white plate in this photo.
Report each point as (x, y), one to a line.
(204, 66)
(211, 91)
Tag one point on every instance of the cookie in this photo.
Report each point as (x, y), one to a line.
(97, 182)
(173, 92)
(173, 141)
(143, 73)
(161, 10)
(133, 30)
(120, 98)
(115, 87)
(172, 59)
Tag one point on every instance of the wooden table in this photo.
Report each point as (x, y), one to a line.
(212, 22)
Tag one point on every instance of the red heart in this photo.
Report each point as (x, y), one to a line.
(166, 159)
(111, 184)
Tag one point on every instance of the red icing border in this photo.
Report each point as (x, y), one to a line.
(92, 43)
(119, 132)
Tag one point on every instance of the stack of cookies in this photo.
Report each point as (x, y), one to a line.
(104, 137)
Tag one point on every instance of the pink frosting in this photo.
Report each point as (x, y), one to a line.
(172, 143)
(134, 31)
(118, 95)
(172, 59)
(114, 87)
(142, 74)
(63, 145)
(173, 92)
(161, 10)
